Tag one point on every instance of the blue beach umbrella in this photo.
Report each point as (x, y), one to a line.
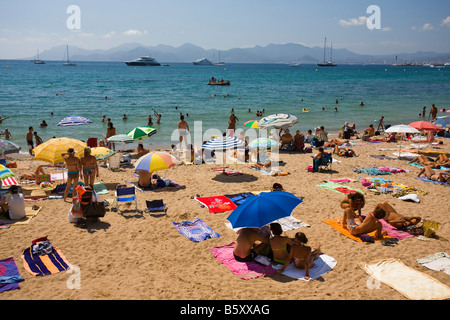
(7, 147)
(442, 122)
(262, 143)
(223, 144)
(74, 121)
(264, 208)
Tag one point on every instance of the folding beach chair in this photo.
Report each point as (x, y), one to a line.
(125, 194)
(114, 162)
(323, 163)
(156, 206)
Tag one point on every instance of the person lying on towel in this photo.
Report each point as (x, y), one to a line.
(396, 219)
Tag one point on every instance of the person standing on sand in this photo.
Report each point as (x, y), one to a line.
(30, 140)
(73, 166)
(183, 130)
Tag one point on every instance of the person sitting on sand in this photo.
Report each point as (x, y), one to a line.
(299, 141)
(425, 162)
(73, 166)
(280, 244)
(277, 187)
(395, 219)
(286, 139)
(248, 244)
(318, 158)
(141, 151)
(352, 202)
(302, 255)
(13, 205)
(90, 167)
(370, 131)
(145, 179)
(32, 175)
(369, 224)
(344, 152)
(440, 176)
(260, 165)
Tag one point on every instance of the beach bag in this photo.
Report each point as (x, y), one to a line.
(43, 178)
(94, 210)
(310, 168)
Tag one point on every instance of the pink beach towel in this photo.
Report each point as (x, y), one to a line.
(394, 232)
(246, 270)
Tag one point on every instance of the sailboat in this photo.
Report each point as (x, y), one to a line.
(37, 60)
(220, 63)
(325, 62)
(68, 62)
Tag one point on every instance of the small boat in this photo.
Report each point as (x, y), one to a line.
(219, 83)
(68, 62)
(143, 61)
(37, 60)
(203, 62)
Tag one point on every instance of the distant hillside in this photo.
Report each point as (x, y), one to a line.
(272, 53)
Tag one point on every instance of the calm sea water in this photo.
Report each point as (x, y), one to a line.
(29, 93)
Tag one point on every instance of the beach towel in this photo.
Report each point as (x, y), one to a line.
(338, 226)
(228, 172)
(217, 204)
(58, 176)
(379, 170)
(9, 275)
(339, 188)
(322, 265)
(424, 179)
(100, 188)
(30, 213)
(411, 283)
(239, 198)
(46, 264)
(394, 232)
(10, 181)
(439, 261)
(287, 223)
(196, 230)
(245, 270)
(382, 157)
(418, 165)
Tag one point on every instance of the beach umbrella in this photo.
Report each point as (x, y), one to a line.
(262, 143)
(264, 208)
(442, 122)
(5, 172)
(252, 124)
(401, 128)
(278, 121)
(155, 161)
(51, 150)
(425, 125)
(223, 144)
(141, 133)
(120, 138)
(74, 121)
(7, 147)
(101, 153)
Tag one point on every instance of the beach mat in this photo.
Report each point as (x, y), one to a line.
(100, 188)
(382, 157)
(287, 224)
(338, 227)
(245, 270)
(439, 261)
(217, 204)
(424, 179)
(42, 265)
(9, 275)
(322, 265)
(196, 230)
(339, 188)
(411, 283)
(30, 213)
(239, 198)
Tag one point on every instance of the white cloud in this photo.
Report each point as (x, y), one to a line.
(133, 32)
(353, 22)
(427, 27)
(446, 22)
(386, 29)
(109, 35)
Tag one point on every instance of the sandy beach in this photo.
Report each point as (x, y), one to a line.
(133, 256)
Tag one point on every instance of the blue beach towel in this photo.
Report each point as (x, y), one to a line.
(196, 230)
(9, 275)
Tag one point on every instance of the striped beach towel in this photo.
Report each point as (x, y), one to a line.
(196, 230)
(42, 265)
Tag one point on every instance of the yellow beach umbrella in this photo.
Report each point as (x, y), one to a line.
(252, 124)
(51, 150)
(101, 153)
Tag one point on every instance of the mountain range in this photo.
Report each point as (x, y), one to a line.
(289, 53)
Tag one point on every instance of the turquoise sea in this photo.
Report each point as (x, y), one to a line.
(29, 93)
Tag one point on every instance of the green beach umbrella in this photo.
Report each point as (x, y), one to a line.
(141, 133)
(252, 124)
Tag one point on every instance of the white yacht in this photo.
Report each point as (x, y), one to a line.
(143, 61)
(68, 62)
(37, 60)
(203, 62)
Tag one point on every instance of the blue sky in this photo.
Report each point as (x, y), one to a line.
(406, 26)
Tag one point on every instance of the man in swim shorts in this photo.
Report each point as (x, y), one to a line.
(246, 248)
(30, 140)
(183, 130)
(370, 224)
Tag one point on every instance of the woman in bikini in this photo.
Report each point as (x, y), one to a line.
(302, 255)
(440, 176)
(73, 166)
(352, 202)
(395, 219)
(90, 167)
(280, 245)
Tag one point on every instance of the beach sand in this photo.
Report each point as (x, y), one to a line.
(142, 256)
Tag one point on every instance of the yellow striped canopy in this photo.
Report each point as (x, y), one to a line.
(51, 150)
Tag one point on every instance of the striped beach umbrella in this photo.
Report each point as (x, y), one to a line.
(5, 172)
(252, 124)
(7, 147)
(442, 122)
(51, 150)
(279, 120)
(141, 133)
(120, 138)
(224, 143)
(262, 143)
(155, 161)
(74, 121)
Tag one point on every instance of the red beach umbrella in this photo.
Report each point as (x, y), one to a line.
(424, 125)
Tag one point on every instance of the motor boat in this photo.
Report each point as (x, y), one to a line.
(143, 61)
(203, 62)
